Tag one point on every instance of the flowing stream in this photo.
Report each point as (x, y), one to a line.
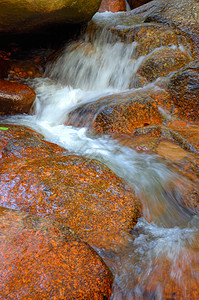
(96, 65)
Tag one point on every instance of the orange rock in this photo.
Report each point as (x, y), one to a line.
(80, 193)
(15, 97)
(162, 62)
(112, 5)
(122, 113)
(19, 142)
(41, 259)
(184, 88)
(186, 134)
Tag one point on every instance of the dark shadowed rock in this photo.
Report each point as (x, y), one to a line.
(136, 3)
(22, 16)
(183, 14)
(45, 260)
(15, 98)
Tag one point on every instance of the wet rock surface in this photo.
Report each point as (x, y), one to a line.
(162, 62)
(184, 88)
(78, 192)
(42, 179)
(112, 5)
(15, 97)
(41, 259)
(122, 113)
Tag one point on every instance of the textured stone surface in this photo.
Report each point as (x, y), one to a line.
(122, 113)
(186, 134)
(21, 16)
(40, 178)
(112, 5)
(162, 62)
(183, 14)
(19, 142)
(44, 260)
(184, 89)
(15, 97)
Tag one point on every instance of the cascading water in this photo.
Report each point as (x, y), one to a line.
(97, 65)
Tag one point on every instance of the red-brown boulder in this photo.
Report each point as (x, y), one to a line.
(45, 260)
(15, 98)
(112, 5)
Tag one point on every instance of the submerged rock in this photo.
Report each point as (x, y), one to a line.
(15, 98)
(22, 16)
(41, 259)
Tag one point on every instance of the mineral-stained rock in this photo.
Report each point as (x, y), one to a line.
(186, 134)
(112, 5)
(79, 192)
(19, 142)
(163, 61)
(122, 113)
(184, 89)
(183, 14)
(15, 97)
(22, 16)
(41, 259)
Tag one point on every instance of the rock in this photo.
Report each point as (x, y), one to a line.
(184, 89)
(112, 5)
(162, 62)
(185, 134)
(24, 70)
(4, 67)
(75, 191)
(44, 260)
(15, 98)
(122, 113)
(19, 142)
(20, 16)
(136, 3)
(182, 14)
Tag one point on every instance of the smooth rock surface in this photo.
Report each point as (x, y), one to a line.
(22, 16)
(112, 5)
(15, 97)
(41, 259)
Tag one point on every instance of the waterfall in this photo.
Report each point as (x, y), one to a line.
(96, 65)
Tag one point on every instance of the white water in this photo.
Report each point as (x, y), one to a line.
(87, 70)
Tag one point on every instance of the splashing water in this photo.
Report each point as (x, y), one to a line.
(91, 68)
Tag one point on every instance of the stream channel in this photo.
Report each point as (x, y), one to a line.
(160, 251)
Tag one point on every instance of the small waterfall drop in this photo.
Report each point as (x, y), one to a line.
(96, 65)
